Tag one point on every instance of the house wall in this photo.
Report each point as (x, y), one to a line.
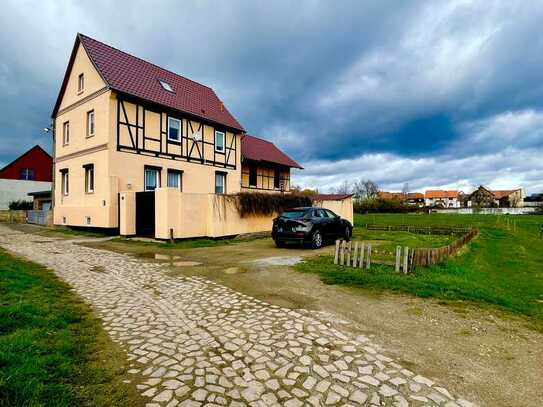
(123, 171)
(264, 179)
(448, 202)
(93, 80)
(17, 190)
(343, 208)
(212, 215)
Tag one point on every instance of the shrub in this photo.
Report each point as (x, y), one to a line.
(257, 203)
(20, 205)
(382, 206)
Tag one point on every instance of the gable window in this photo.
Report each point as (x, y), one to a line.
(174, 129)
(65, 181)
(276, 178)
(66, 133)
(26, 174)
(252, 176)
(220, 182)
(152, 178)
(219, 141)
(80, 82)
(90, 123)
(175, 179)
(165, 85)
(89, 178)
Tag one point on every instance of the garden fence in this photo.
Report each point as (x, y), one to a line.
(404, 259)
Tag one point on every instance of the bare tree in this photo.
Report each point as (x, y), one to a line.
(344, 188)
(405, 189)
(365, 189)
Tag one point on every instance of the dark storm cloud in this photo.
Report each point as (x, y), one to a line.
(334, 83)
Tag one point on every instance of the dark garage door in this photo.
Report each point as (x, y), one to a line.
(145, 213)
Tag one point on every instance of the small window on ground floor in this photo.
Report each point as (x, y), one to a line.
(89, 178)
(220, 183)
(152, 178)
(175, 178)
(65, 181)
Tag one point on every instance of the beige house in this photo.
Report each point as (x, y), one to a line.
(148, 151)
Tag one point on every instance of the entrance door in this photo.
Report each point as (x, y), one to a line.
(145, 213)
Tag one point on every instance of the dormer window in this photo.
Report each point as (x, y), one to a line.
(80, 83)
(165, 85)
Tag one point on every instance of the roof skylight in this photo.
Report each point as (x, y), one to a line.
(165, 85)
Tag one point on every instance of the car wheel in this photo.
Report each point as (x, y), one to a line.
(347, 233)
(279, 243)
(316, 240)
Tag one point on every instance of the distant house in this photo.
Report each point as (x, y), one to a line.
(30, 172)
(484, 197)
(410, 198)
(441, 198)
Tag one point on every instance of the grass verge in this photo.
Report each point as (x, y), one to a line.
(53, 350)
(502, 267)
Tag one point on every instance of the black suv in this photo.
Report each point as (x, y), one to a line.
(312, 226)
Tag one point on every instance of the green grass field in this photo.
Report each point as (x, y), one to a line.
(503, 267)
(53, 351)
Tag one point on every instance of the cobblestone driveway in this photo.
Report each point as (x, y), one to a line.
(193, 342)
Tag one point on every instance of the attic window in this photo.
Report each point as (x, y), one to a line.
(165, 85)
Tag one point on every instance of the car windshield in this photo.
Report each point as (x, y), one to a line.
(294, 214)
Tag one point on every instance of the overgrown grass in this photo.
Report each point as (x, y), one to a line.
(53, 351)
(503, 267)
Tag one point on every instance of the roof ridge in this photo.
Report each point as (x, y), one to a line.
(260, 138)
(148, 62)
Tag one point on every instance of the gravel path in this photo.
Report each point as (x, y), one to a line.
(193, 342)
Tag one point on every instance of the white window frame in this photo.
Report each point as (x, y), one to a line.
(166, 86)
(65, 183)
(179, 131)
(223, 176)
(89, 186)
(91, 128)
(65, 133)
(179, 175)
(157, 180)
(223, 149)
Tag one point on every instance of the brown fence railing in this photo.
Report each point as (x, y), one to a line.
(430, 256)
(362, 255)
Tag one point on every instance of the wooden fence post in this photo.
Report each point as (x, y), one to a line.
(348, 259)
(398, 257)
(336, 256)
(355, 254)
(342, 255)
(368, 258)
(361, 259)
(405, 259)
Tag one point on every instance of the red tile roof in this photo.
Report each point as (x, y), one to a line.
(440, 194)
(133, 76)
(257, 149)
(330, 197)
(503, 193)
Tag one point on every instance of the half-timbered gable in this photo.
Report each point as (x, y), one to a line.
(158, 132)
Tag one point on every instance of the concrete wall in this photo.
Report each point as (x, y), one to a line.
(343, 208)
(15, 190)
(7, 216)
(211, 215)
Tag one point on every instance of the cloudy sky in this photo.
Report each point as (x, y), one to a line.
(430, 93)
